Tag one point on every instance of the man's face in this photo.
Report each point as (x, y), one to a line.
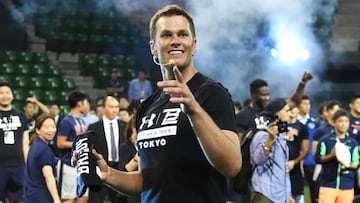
(332, 111)
(261, 96)
(84, 106)
(30, 110)
(284, 114)
(174, 40)
(355, 106)
(54, 110)
(305, 106)
(6, 96)
(342, 124)
(111, 108)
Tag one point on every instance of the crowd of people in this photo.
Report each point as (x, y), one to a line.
(178, 144)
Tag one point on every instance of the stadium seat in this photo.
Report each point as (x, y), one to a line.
(9, 56)
(22, 81)
(24, 69)
(54, 70)
(117, 60)
(55, 82)
(8, 68)
(38, 94)
(40, 69)
(68, 84)
(51, 96)
(39, 82)
(40, 58)
(21, 94)
(8, 78)
(25, 57)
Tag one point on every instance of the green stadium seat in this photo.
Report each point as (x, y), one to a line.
(8, 78)
(39, 94)
(39, 82)
(40, 58)
(64, 109)
(51, 96)
(22, 82)
(68, 84)
(53, 42)
(40, 69)
(54, 70)
(104, 60)
(25, 57)
(10, 56)
(118, 60)
(66, 41)
(21, 94)
(25, 69)
(81, 41)
(8, 68)
(55, 82)
(88, 64)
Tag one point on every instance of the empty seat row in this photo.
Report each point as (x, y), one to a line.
(41, 82)
(11, 68)
(23, 57)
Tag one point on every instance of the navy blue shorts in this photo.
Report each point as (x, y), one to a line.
(12, 183)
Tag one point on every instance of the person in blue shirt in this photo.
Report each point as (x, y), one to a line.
(40, 184)
(336, 178)
(269, 151)
(140, 87)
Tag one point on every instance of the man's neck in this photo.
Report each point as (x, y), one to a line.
(340, 134)
(302, 114)
(76, 113)
(355, 114)
(5, 107)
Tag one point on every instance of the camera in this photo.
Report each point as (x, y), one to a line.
(282, 126)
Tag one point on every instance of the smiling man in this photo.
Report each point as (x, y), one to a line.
(187, 142)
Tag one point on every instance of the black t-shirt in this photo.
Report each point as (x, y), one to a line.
(173, 164)
(322, 131)
(245, 119)
(12, 127)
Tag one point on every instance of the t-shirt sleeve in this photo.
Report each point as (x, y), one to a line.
(46, 157)
(219, 106)
(64, 128)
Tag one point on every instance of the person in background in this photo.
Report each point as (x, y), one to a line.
(31, 110)
(298, 143)
(55, 113)
(124, 103)
(109, 134)
(40, 184)
(237, 107)
(129, 159)
(13, 139)
(312, 123)
(337, 179)
(114, 86)
(99, 107)
(322, 113)
(87, 116)
(124, 115)
(140, 87)
(269, 156)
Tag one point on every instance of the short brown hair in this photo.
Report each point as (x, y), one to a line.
(170, 10)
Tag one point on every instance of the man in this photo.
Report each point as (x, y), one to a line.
(140, 87)
(55, 112)
(70, 126)
(109, 134)
(337, 179)
(298, 143)
(182, 129)
(269, 156)
(88, 116)
(114, 86)
(12, 127)
(260, 95)
(31, 111)
(312, 123)
(354, 128)
(331, 107)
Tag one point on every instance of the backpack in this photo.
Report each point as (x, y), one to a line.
(241, 182)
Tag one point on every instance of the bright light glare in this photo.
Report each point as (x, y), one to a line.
(289, 50)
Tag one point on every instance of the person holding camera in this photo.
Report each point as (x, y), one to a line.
(269, 155)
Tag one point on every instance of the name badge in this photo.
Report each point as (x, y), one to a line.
(9, 137)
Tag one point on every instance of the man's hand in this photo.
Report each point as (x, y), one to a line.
(306, 77)
(179, 92)
(100, 162)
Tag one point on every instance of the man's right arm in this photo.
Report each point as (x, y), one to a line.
(63, 143)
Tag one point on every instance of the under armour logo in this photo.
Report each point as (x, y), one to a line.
(147, 120)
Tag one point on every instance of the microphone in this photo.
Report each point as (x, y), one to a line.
(170, 63)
